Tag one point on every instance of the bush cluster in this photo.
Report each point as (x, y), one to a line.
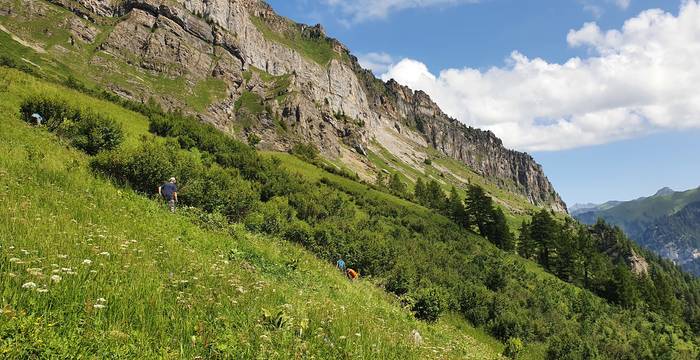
(86, 130)
(420, 254)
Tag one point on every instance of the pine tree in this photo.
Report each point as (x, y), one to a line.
(498, 232)
(381, 179)
(543, 231)
(396, 185)
(568, 260)
(526, 245)
(420, 192)
(435, 197)
(456, 209)
(479, 208)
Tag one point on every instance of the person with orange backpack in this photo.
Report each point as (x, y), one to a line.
(352, 274)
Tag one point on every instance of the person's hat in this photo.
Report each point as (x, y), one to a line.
(172, 179)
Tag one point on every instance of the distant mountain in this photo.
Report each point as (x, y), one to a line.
(667, 223)
(590, 207)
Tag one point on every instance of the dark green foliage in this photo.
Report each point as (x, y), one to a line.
(433, 197)
(480, 208)
(475, 302)
(543, 231)
(420, 192)
(84, 129)
(307, 152)
(514, 346)
(456, 210)
(212, 188)
(436, 261)
(397, 186)
(429, 304)
(497, 231)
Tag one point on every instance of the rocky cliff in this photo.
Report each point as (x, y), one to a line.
(285, 82)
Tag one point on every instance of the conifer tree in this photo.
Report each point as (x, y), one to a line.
(499, 233)
(396, 185)
(456, 209)
(420, 192)
(479, 208)
(526, 245)
(435, 197)
(543, 231)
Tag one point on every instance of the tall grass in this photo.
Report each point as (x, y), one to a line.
(90, 270)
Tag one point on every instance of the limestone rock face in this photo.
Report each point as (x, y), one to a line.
(337, 105)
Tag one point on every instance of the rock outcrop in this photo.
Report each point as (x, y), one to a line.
(327, 99)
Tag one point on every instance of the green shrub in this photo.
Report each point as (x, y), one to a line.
(92, 133)
(474, 303)
(429, 304)
(271, 217)
(514, 346)
(299, 231)
(86, 130)
(308, 152)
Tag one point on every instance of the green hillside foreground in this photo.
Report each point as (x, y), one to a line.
(115, 275)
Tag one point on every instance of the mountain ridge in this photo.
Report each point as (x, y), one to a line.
(665, 223)
(287, 83)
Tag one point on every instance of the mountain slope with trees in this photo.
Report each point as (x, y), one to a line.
(667, 223)
(438, 259)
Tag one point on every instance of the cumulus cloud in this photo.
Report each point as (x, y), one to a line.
(637, 80)
(362, 10)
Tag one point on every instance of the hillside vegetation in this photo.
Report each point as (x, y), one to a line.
(665, 223)
(91, 270)
(436, 262)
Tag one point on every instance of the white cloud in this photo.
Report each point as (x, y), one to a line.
(623, 4)
(639, 79)
(362, 10)
(379, 63)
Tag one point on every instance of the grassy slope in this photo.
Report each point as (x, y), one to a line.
(171, 288)
(516, 207)
(97, 68)
(51, 32)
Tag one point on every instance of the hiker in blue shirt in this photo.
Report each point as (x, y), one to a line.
(341, 265)
(169, 192)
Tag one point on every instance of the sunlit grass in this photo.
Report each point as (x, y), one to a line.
(91, 270)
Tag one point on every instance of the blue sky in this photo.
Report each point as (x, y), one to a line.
(600, 134)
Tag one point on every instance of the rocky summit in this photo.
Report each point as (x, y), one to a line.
(286, 83)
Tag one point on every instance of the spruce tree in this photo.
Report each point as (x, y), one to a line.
(479, 208)
(526, 245)
(435, 196)
(420, 192)
(543, 231)
(396, 185)
(499, 233)
(456, 209)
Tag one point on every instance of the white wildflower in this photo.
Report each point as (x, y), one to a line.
(101, 301)
(99, 306)
(61, 256)
(104, 253)
(25, 252)
(93, 271)
(87, 262)
(66, 269)
(358, 334)
(29, 285)
(14, 260)
(55, 278)
(42, 290)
